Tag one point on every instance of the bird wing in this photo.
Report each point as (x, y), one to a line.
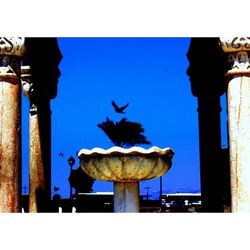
(125, 106)
(114, 105)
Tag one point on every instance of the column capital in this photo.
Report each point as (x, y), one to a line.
(11, 51)
(35, 91)
(43, 55)
(26, 80)
(12, 46)
(238, 50)
(235, 44)
(207, 67)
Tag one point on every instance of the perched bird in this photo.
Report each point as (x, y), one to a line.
(119, 110)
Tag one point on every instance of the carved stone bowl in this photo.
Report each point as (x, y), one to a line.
(117, 164)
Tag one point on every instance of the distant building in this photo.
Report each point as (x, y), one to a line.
(102, 202)
(182, 202)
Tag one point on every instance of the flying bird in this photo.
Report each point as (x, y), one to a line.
(60, 154)
(119, 110)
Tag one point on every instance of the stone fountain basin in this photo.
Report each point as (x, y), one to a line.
(117, 164)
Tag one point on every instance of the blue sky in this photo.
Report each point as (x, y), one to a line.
(150, 74)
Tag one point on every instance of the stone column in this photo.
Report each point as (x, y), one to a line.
(206, 73)
(210, 147)
(11, 51)
(39, 143)
(238, 101)
(43, 56)
(126, 197)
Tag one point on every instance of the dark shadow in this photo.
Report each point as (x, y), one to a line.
(43, 203)
(80, 181)
(206, 72)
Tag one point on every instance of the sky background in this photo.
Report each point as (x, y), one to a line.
(150, 74)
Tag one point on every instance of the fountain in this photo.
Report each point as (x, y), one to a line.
(125, 167)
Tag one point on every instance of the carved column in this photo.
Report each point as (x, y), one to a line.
(39, 142)
(40, 86)
(11, 51)
(206, 73)
(238, 101)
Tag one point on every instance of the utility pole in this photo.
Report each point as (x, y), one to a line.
(160, 187)
(147, 187)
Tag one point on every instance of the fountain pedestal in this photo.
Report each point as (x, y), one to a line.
(126, 197)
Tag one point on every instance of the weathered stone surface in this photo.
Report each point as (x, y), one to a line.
(126, 197)
(10, 129)
(238, 54)
(10, 123)
(12, 46)
(233, 44)
(125, 165)
(238, 98)
(36, 165)
(239, 139)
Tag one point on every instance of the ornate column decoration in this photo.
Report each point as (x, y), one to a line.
(11, 51)
(238, 101)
